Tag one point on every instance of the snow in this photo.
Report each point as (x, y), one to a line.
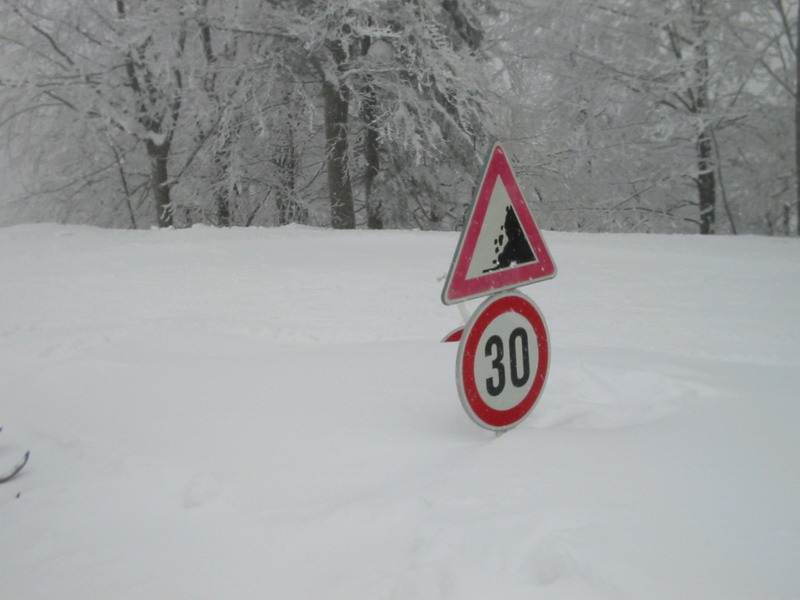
(381, 51)
(269, 413)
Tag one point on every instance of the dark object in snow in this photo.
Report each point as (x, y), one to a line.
(11, 474)
(16, 469)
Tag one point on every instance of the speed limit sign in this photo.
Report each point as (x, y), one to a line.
(502, 363)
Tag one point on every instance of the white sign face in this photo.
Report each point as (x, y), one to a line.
(508, 355)
(503, 357)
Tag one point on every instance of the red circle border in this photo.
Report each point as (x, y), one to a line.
(480, 412)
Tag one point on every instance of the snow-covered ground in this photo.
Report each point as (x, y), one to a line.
(269, 413)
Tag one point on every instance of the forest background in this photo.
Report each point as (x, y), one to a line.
(619, 115)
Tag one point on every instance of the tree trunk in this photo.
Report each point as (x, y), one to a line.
(374, 219)
(797, 117)
(340, 188)
(706, 184)
(224, 195)
(159, 179)
(223, 210)
(289, 211)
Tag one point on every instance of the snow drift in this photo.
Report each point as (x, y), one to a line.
(268, 413)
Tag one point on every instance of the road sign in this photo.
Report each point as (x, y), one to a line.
(502, 363)
(500, 246)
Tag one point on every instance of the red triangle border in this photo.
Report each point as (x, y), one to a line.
(457, 287)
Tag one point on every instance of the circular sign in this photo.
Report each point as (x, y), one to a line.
(502, 362)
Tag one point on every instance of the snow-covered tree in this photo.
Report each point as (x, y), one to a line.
(102, 90)
(622, 114)
(229, 112)
(401, 88)
(630, 104)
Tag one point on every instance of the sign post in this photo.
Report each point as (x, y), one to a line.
(504, 349)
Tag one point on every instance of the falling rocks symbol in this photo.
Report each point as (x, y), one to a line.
(516, 250)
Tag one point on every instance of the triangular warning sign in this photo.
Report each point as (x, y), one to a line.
(500, 246)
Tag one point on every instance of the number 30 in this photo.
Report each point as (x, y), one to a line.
(518, 348)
